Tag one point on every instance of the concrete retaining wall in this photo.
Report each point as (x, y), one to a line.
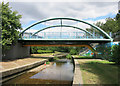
(15, 70)
(77, 79)
(17, 51)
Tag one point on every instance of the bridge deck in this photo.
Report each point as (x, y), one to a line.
(61, 41)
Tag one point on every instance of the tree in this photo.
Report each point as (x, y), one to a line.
(118, 19)
(73, 52)
(111, 25)
(10, 26)
(116, 54)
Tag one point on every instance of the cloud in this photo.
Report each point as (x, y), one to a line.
(61, 0)
(36, 11)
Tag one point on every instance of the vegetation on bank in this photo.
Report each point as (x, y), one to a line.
(116, 54)
(109, 53)
(44, 51)
(69, 56)
(83, 57)
(10, 26)
(70, 50)
(99, 72)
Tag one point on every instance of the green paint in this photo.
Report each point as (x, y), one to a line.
(103, 32)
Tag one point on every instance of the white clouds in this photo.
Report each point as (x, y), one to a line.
(61, 0)
(81, 10)
(37, 11)
(100, 20)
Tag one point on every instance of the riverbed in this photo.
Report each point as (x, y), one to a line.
(58, 72)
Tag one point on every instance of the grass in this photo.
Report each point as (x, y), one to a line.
(99, 72)
(44, 51)
(83, 57)
(43, 54)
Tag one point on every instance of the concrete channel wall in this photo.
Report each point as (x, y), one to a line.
(16, 71)
(10, 73)
(77, 79)
(17, 51)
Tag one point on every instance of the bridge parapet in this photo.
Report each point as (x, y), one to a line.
(61, 35)
(81, 33)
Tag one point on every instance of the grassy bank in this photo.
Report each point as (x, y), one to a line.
(42, 55)
(46, 54)
(83, 57)
(99, 72)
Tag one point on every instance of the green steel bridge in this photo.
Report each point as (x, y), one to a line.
(46, 36)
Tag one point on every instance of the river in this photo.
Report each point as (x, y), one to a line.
(59, 72)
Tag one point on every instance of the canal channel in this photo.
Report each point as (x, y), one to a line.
(60, 71)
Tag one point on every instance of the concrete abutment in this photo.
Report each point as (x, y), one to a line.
(17, 51)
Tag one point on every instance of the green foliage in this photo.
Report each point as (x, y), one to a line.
(116, 54)
(109, 53)
(105, 52)
(10, 26)
(33, 50)
(47, 62)
(110, 25)
(118, 20)
(44, 51)
(73, 52)
(86, 57)
(55, 49)
(68, 56)
(55, 58)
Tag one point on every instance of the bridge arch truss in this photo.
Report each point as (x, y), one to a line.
(106, 36)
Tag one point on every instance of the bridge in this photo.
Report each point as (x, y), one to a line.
(44, 34)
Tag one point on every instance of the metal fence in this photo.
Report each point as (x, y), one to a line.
(62, 35)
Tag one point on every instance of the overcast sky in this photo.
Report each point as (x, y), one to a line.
(92, 12)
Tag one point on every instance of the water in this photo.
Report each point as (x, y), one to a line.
(60, 72)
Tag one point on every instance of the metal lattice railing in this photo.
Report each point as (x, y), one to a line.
(93, 33)
(61, 35)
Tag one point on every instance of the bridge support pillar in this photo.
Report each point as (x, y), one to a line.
(94, 55)
(17, 51)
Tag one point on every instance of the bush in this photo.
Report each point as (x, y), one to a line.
(104, 52)
(116, 54)
(55, 58)
(47, 62)
(73, 52)
(69, 56)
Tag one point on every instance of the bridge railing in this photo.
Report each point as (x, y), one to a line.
(62, 35)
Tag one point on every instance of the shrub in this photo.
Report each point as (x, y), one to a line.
(56, 58)
(104, 52)
(69, 56)
(73, 52)
(116, 54)
(47, 62)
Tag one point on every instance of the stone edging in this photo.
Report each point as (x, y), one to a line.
(77, 80)
(11, 71)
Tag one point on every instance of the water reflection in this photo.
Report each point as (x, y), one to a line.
(59, 71)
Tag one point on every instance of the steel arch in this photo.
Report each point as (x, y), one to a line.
(62, 26)
(103, 32)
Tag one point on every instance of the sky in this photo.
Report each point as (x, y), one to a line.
(90, 11)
